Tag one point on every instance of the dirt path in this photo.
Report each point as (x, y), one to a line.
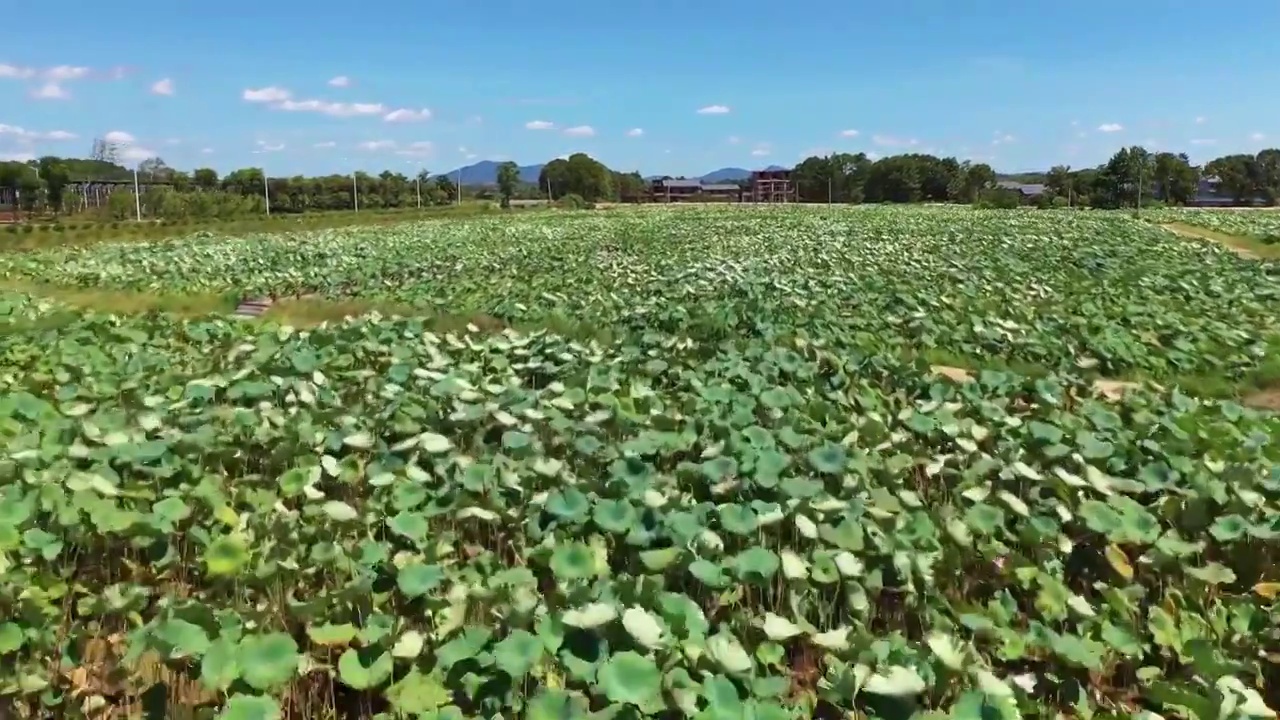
(1109, 389)
(1198, 233)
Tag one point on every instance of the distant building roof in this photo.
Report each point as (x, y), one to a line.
(1024, 188)
(720, 186)
(679, 183)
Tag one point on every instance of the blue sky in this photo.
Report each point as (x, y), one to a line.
(320, 85)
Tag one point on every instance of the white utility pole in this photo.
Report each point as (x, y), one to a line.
(266, 191)
(355, 192)
(418, 183)
(459, 199)
(137, 196)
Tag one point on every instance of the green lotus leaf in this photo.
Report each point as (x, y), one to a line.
(250, 707)
(418, 694)
(417, 579)
(518, 652)
(756, 565)
(332, 635)
(466, 645)
(340, 511)
(268, 662)
(184, 639)
(573, 561)
(364, 668)
(220, 665)
(11, 638)
(729, 653)
(829, 458)
(615, 516)
(895, 681)
(630, 678)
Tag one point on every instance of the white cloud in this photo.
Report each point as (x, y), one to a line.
(50, 91)
(713, 110)
(417, 149)
(580, 131)
(1110, 127)
(135, 153)
(119, 137)
(373, 145)
(760, 150)
(32, 135)
(266, 147)
(891, 141)
(1257, 137)
(269, 94)
(15, 72)
(333, 109)
(733, 139)
(1200, 120)
(1203, 141)
(206, 151)
(326, 144)
(849, 133)
(340, 81)
(162, 87)
(635, 132)
(62, 73)
(1002, 138)
(17, 157)
(539, 125)
(406, 115)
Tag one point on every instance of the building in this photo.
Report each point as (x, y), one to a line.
(1029, 191)
(770, 186)
(667, 190)
(1209, 193)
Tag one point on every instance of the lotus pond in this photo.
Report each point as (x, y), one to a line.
(748, 502)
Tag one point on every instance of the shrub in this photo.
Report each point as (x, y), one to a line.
(574, 201)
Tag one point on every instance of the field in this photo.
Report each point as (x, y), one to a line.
(648, 463)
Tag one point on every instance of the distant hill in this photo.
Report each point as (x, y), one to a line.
(485, 172)
(726, 175)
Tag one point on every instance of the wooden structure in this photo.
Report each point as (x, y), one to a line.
(667, 190)
(771, 186)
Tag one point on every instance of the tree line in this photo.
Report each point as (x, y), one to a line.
(1131, 175)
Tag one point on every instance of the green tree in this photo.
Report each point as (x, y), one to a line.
(1176, 180)
(508, 179)
(1237, 174)
(56, 176)
(205, 178)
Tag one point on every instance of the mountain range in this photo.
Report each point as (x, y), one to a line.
(485, 172)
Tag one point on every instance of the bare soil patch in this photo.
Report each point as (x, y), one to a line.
(954, 374)
(1109, 389)
(1264, 399)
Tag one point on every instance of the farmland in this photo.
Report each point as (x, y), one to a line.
(683, 463)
